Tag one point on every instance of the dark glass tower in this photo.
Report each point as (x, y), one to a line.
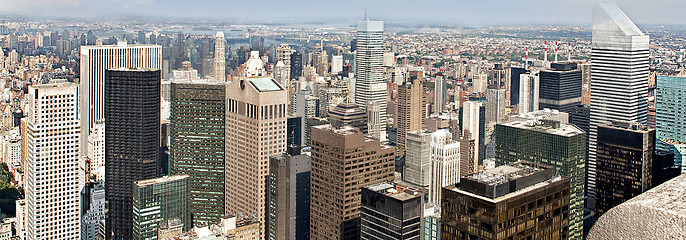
(197, 142)
(132, 141)
(391, 211)
(296, 65)
(624, 159)
(514, 84)
(560, 87)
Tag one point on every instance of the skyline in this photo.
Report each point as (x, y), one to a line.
(538, 12)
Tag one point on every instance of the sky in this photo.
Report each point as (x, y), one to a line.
(449, 12)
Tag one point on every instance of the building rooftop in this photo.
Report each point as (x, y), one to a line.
(623, 125)
(395, 190)
(659, 213)
(547, 126)
(504, 173)
(264, 84)
(161, 179)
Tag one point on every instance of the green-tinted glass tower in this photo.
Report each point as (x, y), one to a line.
(670, 121)
(197, 142)
(561, 146)
(158, 201)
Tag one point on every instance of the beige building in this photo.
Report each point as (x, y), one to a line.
(255, 130)
(411, 107)
(343, 161)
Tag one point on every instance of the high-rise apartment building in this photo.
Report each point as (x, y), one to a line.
(343, 161)
(471, 119)
(219, 59)
(289, 196)
(410, 112)
(370, 85)
(440, 93)
(52, 164)
(559, 145)
(391, 211)
(529, 92)
(95, 60)
(495, 106)
(619, 76)
(160, 201)
(197, 142)
(132, 141)
(445, 163)
(521, 200)
(417, 169)
(255, 130)
(624, 159)
(670, 121)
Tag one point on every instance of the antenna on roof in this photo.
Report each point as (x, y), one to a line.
(365, 12)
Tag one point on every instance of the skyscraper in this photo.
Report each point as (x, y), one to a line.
(197, 143)
(132, 141)
(495, 106)
(445, 163)
(160, 201)
(93, 211)
(348, 114)
(52, 164)
(521, 200)
(391, 211)
(440, 93)
(515, 74)
(624, 163)
(95, 60)
(559, 145)
(374, 122)
(96, 151)
(343, 161)
(296, 66)
(471, 126)
(669, 120)
(619, 76)
(560, 87)
(283, 54)
(411, 107)
(370, 85)
(255, 130)
(289, 196)
(417, 169)
(219, 60)
(528, 92)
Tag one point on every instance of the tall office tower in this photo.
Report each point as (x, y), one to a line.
(219, 59)
(411, 108)
(289, 196)
(296, 66)
(95, 60)
(440, 94)
(93, 211)
(255, 130)
(349, 114)
(670, 121)
(197, 142)
(254, 67)
(158, 202)
(343, 161)
(548, 142)
(391, 211)
(495, 106)
(560, 87)
(370, 85)
(624, 161)
(281, 74)
(132, 141)
(294, 130)
(528, 92)
(417, 169)
(336, 64)
(374, 121)
(538, 197)
(514, 77)
(471, 119)
(283, 54)
(96, 151)
(52, 164)
(468, 162)
(619, 76)
(445, 163)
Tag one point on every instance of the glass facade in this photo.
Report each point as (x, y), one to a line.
(391, 211)
(561, 146)
(159, 201)
(197, 122)
(670, 120)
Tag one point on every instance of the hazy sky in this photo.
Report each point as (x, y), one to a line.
(453, 12)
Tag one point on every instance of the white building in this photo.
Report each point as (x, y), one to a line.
(470, 124)
(93, 211)
(254, 67)
(52, 163)
(219, 59)
(20, 214)
(445, 163)
(94, 61)
(370, 85)
(336, 64)
(417, 168)
(619, 75)
(528, 92)
(96, 152)
(480, 82)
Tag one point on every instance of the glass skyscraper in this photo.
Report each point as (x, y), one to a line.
(160, 201)
(670, 120)
(370, 85)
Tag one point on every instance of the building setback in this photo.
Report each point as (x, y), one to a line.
(391, 211)
(197, 144)
(624, 160)
(343, 162)
(521, 200)
(132, 141)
